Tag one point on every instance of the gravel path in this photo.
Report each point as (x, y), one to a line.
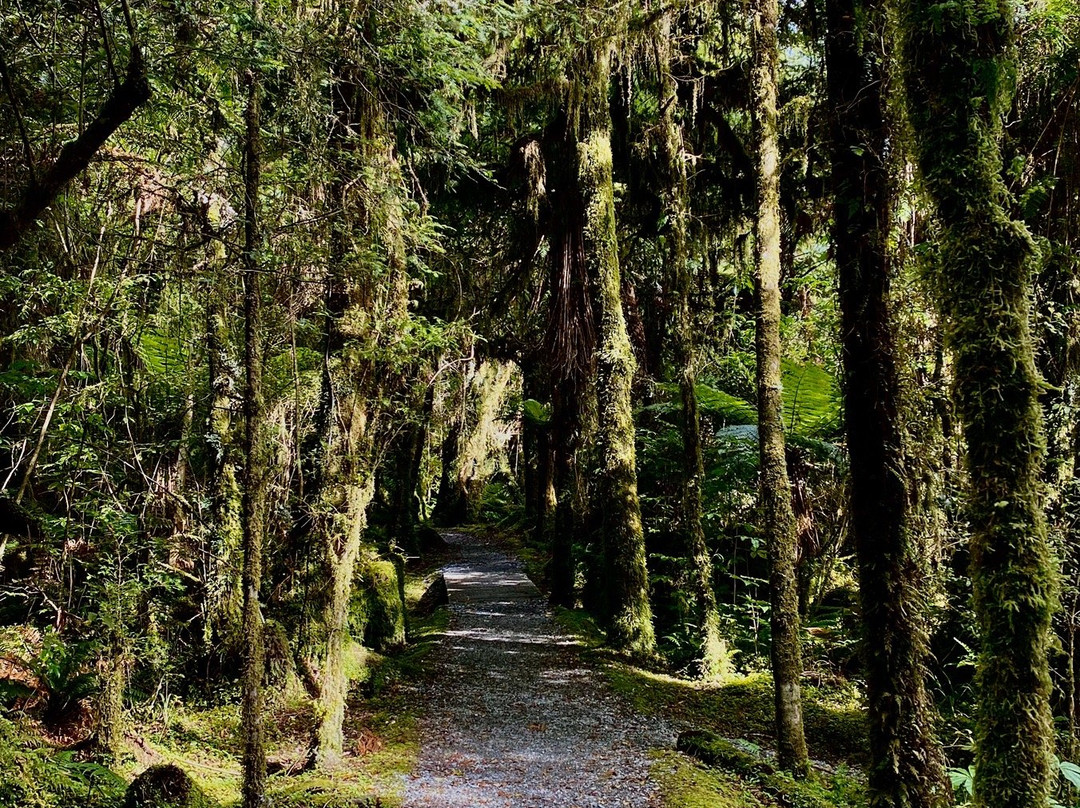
(515, 716)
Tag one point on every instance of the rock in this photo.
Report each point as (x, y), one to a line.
(435, 596)
(429, 540)
(383, 587)
(165, 786)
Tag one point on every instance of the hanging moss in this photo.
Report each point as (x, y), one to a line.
(959, 80)
(630, 626)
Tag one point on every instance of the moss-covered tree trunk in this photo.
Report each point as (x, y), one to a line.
(714, 658)
(907, 766)
(778, 516)
(223, 593)
(363, 311)
(253, 521)
(114, 670)
(341, 536)
(630, 626)
(960, 71)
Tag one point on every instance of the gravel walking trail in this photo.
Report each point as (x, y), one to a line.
(515, 716)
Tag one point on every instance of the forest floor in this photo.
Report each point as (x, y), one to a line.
(497, 701)
(515, 714)
(524, 706)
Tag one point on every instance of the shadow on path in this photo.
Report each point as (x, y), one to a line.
(514, 715)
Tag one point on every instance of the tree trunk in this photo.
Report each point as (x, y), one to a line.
(714, 658)
(777, 514)
(907, 768)
(342, 540)
(223, 591)
(253, 522)
(362, 309)
(630, 626)
(450, 502)
(566, 524)
(114, 670)
(958, 82)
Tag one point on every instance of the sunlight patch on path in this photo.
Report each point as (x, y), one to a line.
(515, 717)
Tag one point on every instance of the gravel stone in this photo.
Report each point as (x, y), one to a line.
(515, 716)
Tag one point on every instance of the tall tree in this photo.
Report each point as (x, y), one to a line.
(907, 766)
(714, 659)
(777, 513)
(349, 420)
(253, 519)
(960, 72)
(630, 626)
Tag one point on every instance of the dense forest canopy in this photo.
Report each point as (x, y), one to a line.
(752, 327)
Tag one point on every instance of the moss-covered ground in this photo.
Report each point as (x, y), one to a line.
(381, 741)
(739, 709)
(380, 738)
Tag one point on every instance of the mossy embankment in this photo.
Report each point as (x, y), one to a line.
(381, 738)
(204, 741)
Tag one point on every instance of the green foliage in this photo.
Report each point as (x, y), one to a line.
(536, 412)
(35, 776)
(62, 670)
(811, 403)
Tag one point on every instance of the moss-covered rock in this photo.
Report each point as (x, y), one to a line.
(165, 786)
(382, 587)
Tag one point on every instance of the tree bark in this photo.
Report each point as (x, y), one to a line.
(630, 626)
(777, 513)
(253, 522)
(907, 768)
(714, 658)
(960, 68)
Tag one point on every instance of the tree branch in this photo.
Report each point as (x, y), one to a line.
(76, 155)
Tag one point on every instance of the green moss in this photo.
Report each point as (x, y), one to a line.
(746, 761)
(580, 623)
(743, 708)
(382, 589)
(686, 784)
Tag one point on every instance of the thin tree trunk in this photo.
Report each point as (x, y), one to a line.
(223, 589)
(630, 626)
(450, 502)
(960, 66)
(777, 514)
(564, 528)
(255, 477)
(714, 659)
(907, 768)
